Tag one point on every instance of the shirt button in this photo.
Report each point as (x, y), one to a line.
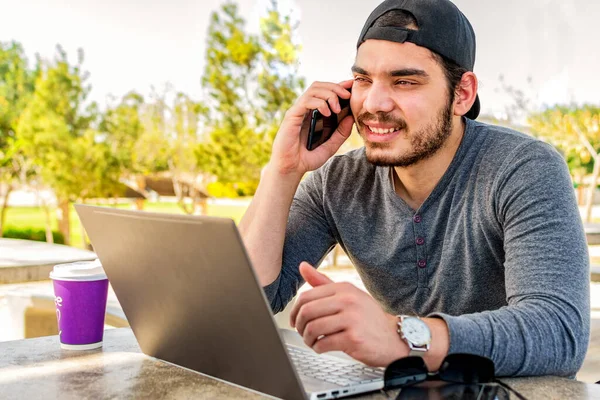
(422, 263)
(420, 241)
(417, 218)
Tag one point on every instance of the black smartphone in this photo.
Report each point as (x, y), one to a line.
(321, 128)
(453, 391)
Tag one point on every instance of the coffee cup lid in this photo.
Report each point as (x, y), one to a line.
(79, 271)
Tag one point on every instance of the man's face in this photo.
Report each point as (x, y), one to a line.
(400, 102)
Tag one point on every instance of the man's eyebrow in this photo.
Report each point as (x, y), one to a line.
(409, 72)
(359, 70)
(395, 73)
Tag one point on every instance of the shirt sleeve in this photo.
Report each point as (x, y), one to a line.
(308, 237)
(544, 329)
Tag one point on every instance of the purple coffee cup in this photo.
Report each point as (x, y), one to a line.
(80, 292)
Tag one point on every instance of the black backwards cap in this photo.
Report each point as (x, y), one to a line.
(442, 28)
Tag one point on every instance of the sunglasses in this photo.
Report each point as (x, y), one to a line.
(464, 369)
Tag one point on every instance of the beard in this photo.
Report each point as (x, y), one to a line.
(425, 142)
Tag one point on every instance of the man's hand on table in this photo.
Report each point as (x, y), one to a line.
(341, 317)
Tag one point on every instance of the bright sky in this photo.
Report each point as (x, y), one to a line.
(132, 44)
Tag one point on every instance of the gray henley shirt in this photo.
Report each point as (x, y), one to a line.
(497, 249)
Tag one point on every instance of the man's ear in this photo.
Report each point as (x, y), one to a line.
(465, 94)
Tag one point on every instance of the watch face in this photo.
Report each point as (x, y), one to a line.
(416, 331)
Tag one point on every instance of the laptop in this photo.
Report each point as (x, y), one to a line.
(191, 297)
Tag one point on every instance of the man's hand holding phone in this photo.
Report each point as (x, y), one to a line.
(290, 154)
(322, 127)
(266, 218)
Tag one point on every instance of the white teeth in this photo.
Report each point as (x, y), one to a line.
(383, 131)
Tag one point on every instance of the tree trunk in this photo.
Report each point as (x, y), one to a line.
(181, 189)
(139, 204)
(201, 206)
(187, 208)
(589, 203)
(84, 243)
(63, 222)
(4, 208)
(334, 258)
(140, 181)
(47, 219)
(581, 193)
(48, 224)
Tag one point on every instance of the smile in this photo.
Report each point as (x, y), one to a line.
(374, 134)
(381, 131)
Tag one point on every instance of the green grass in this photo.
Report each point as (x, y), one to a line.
(28, 217)
(33, 217)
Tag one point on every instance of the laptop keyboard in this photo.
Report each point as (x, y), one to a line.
(332, 370)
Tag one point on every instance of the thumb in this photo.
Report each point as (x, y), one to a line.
(343, 131)
(312, 276)
(341, 134)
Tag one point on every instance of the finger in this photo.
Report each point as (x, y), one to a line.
(313, 277)
(331, 342)
(334, 342)
(347, 84)
(338, 88)
(316, 103)
(316, 309)
(330, 96)
(298, 111)
(307, 297)
(325, 110)
(325, 326)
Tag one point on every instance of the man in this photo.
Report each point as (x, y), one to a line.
(471, 227)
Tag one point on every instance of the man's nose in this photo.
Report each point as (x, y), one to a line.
(379, 99)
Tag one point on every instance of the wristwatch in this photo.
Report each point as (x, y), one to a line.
(416, 333)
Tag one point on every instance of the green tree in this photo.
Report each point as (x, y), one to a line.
(251, 80)
(121, 128)
(16, 88)
(183, 167)
(575, 130)
(153, 146)
(56, 131)
(171, 131)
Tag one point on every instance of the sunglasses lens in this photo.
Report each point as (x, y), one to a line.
(467, 368)
(405, 371)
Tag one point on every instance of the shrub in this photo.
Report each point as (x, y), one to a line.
(38, 235)
(218, 190)
(232, 190)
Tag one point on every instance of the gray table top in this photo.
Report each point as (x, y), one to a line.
(24, 253)
(38, 368)
(27, 260)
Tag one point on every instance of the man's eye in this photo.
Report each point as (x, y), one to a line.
(404, 83)
(359, 79)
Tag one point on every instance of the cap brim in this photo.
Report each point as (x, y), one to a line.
(473, 113)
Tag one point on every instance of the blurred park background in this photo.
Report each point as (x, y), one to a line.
(199, 148)
(173, 106)
(185, 144)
